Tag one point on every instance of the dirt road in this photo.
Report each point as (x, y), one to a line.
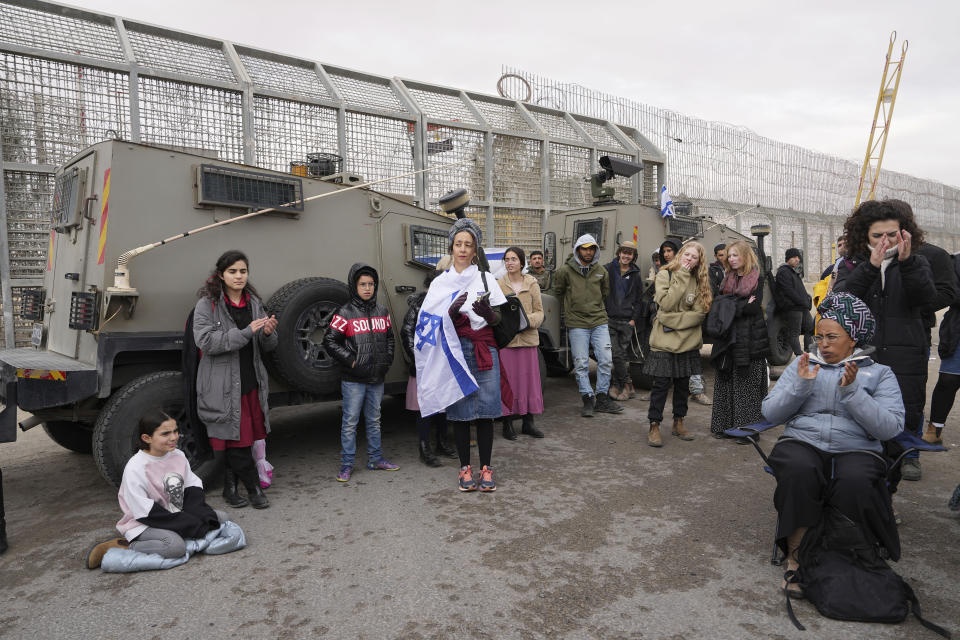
(592, 534)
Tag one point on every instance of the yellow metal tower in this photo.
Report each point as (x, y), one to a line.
(889, 83)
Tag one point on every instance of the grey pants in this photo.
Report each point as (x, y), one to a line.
(621, 334)
(165, 543)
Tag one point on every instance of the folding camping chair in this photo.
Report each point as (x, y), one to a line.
(910, 441)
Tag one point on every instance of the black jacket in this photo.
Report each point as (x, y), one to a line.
(900, 339)
(944, 281)
(950, 325)
(629, 307)
(360, 332)
(791, 294)
(750, 339)
(408, 330)
(719, 327)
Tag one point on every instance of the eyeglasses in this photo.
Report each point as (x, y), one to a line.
(829, 339)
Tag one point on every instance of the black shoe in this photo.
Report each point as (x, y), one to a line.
(444, 448)
(426, 455)
(605, 404)
(529, 428)
(508, 431)
(589, 400)
(230, 494)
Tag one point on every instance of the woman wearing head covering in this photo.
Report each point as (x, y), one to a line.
(833, 403)
(473, 311)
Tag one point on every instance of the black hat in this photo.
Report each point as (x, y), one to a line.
(793, 252)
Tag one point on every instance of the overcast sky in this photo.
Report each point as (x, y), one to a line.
(802, 72)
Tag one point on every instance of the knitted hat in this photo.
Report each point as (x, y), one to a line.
(468, 225)
(792, 252)
(851, 313)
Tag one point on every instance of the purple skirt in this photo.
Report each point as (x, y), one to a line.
(522, 365)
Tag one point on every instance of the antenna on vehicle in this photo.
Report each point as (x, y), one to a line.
(124, 293)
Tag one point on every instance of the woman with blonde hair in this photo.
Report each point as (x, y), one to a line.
(741, 385)
(683, 296)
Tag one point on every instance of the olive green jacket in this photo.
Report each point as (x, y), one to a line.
(679, 310)
(583, 296)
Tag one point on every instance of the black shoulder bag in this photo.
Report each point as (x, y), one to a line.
(513, 319)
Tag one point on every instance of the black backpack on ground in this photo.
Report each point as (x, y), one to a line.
(846, 578)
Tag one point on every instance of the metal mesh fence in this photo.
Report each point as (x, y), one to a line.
(516, 175)
(443, 106)
(379, 147)
(556, 126)
(191, 117)
(29, 200)
(366, 93)
(568, 166)
(65, 32)
(286, 131)
(157, 51)
(51, 110)
(287, 78)
(517, 227)
(446, 145)
(600, 134)
(502, 115)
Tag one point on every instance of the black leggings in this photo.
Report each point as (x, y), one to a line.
(941, 402)
(461, 432)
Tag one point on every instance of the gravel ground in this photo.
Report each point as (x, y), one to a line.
(591, 534)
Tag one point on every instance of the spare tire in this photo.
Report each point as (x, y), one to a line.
(304, 308)
(780, 349)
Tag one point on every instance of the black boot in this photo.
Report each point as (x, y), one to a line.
(508, 431)
(529, 428)
(230, 495)
(426, 455)
(444, 447)
(589, 400)
(241, 460)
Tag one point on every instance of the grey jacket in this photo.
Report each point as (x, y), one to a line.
(834, 418)
(218, 376)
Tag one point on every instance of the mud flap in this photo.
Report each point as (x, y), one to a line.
(8, 416)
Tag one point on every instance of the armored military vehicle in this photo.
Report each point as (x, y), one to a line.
(611, 221)
(109, 319)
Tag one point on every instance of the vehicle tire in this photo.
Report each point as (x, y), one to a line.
(304, 308)
(780, 349)
(554, 364)
(115, 432)
(75, 436)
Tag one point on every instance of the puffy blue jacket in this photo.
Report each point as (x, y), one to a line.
(834, 418)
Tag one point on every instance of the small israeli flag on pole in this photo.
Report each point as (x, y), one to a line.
(666, 204)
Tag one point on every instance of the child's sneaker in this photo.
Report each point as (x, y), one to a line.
(486, 479)
(345, 472)
(466, 479)
(382, 465)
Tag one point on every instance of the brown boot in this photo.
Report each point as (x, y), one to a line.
(932, 435)
(654, 438)
(679, 430)
(95, 556)
(631, 392)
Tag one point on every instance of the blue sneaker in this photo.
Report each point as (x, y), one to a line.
(345, 472)
(382, 465)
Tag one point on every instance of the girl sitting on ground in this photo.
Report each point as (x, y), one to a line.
(161, 498)
(838, 406)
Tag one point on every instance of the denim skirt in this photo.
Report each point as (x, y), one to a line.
(485, 401)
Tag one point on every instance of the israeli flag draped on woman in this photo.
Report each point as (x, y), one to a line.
(442, 373)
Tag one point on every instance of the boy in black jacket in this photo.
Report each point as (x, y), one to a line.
(360, 338)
